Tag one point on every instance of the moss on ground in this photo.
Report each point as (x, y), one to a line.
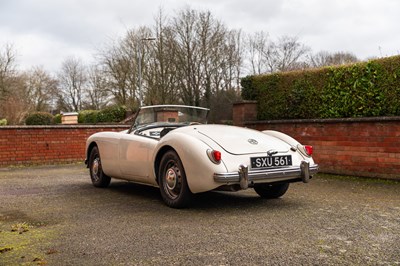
(24, 243)
(367, 180)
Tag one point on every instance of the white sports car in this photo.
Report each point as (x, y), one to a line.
(172, 147)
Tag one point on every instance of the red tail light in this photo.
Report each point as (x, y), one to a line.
(309, 149)
(215, 156)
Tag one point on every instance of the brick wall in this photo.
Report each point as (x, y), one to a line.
(244, 111)
(362, 147)
(367, 147)
(27, 145)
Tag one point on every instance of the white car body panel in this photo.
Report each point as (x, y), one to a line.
(133, 155)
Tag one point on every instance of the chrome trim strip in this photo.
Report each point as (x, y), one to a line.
(269, 175)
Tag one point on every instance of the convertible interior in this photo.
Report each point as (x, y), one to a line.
(157, 131)
(165, 121)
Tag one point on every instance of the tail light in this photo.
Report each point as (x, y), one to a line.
(309, 149)
(215, 156)
(306, 150)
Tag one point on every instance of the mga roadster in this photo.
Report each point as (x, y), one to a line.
(172, 147)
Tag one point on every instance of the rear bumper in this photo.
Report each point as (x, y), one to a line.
(244, 177)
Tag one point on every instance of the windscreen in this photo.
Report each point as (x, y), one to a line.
(176, 114)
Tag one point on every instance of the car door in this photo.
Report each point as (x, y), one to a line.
(135, 153)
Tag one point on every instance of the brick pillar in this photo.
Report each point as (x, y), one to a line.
(244, 111)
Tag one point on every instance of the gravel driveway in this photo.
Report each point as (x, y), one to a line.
(54, 216)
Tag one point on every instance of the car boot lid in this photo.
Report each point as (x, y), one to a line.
(243, 140)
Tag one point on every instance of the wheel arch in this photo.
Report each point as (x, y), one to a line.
(158, 158)
(88, 151)
(192, 152)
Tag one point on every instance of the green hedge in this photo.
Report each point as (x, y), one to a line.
(3, 122)
(88, 117)
(57, 119)
(39, 118)
(112, 114)
(359, 90)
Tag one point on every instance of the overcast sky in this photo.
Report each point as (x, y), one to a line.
(45, 32)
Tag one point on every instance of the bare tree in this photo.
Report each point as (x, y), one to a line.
(120, 67)
(188, 55)
(13, 99)
(73, 81)
(324, 58)
(41, 89)
(285, 54)
(257, 47)
(7, 69)
(117, 68)
(160, 70)
(208, 57)
(234, 58)
(320, 59)
(98, 95)
(213, 59)
(16, 103)
(268, 56)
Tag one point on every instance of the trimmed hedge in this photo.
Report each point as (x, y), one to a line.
(112, 114)
(3, 122)
(39, 118)
(57, 119)
(359, 90)
(88, 117)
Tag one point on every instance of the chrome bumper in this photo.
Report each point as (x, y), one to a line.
(245, 177)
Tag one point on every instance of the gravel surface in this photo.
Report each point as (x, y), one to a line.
(54, 216)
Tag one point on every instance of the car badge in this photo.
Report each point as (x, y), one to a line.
(252, 141)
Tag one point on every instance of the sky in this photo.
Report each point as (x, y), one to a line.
(46, 32)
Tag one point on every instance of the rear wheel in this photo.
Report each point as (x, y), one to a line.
(172, 181)
(271, 191)
(98, 177)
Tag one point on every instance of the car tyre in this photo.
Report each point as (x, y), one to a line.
(172, 181)
(271, 191)
(98, 177)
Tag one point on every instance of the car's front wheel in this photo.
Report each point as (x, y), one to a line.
(99, 178)
(271, 191)
(172, 181)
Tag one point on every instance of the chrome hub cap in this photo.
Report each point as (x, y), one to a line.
(171, 179)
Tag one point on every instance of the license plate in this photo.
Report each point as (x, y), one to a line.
(270, 161)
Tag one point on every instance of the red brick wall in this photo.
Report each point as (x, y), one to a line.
(244, 111)
(26, 145)
(362, 147)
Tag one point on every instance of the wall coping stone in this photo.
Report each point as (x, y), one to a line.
(244, 102)
(328, 120)
(65, 126)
